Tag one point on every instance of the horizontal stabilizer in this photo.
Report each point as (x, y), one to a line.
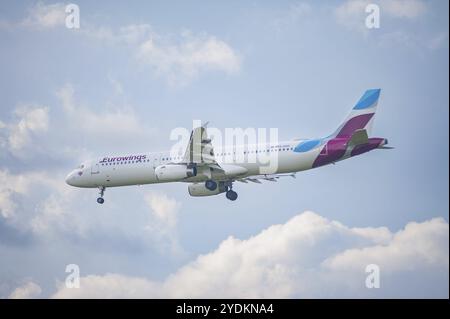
(358, 137)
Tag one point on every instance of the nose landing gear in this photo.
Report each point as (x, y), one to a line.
(100, 200)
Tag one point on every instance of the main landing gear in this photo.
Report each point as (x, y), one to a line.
(224, 186)
(231, 195)
(100, 200)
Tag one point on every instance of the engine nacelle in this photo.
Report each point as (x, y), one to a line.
(199, 189)
(176, 172)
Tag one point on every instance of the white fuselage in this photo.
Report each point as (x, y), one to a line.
(140, 169)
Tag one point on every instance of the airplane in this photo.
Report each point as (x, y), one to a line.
(212, 171)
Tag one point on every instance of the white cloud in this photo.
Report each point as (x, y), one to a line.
(38, 202)
(380, 235)
(9, 186)
(29, 122)
(41, 205)
(7, 205)
(418, 244)
(100, 124)
(177, 59)
(43, 15)
(299, 10)
(164, 209)
(414, 42)
(403, 8)
(309, 256)
(181, 62)
(352, 13)
(26, 291)
(117, 86)
(107, 286)
(33, 134)
(55, 214)
(439, 40)
(13, 187)
(132, 34)
(163, 220)
(294, 14)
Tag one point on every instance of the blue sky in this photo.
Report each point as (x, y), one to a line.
(133, 72)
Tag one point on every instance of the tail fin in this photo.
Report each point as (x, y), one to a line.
(361, 116)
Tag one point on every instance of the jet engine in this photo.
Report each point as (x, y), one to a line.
(199, 189)
(175, 172)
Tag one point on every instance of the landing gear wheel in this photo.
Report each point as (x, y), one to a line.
(231, 195)
(211, 185)
(100, 200)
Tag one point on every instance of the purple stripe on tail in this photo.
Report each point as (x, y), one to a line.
(332, 151)
(355, 123)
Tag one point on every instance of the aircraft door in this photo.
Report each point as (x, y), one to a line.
(156, 160)
(95, 169)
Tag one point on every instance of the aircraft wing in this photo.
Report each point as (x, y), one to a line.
(199, 150)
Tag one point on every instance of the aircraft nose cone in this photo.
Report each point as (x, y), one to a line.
(69, 179)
